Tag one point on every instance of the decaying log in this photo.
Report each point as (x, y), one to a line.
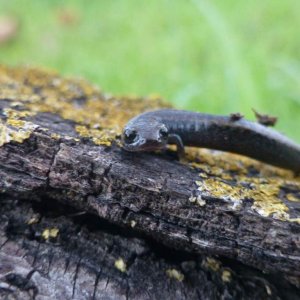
(82, 218)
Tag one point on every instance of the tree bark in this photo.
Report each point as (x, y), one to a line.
(81, 218)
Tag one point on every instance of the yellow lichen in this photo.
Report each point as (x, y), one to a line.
(55, 136)
(200, 201)
(173, 273)
(50, 233)
(192, 199)
(120, 265)
(99, 137)
(229, 180)
(292, 197)
(197, 200)
(98, 117)
(226, 276)
(16, 114)
(16, 123)
(212, 264)
(295, 220)
(15, 130)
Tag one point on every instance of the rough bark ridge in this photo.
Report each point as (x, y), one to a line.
(80, 218)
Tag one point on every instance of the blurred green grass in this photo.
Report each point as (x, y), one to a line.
(211, 56)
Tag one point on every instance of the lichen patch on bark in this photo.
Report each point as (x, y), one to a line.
(98, 116)
(15, 130)
(235, 179)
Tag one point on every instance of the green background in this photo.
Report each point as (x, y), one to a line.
(211, 56)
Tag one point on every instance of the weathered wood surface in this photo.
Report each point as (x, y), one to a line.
(61, 167)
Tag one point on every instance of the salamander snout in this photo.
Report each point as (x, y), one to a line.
(145, 138)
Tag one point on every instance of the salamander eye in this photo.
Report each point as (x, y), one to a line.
(130, 136)
(163, 133)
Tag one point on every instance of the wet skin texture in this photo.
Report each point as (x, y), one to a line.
(154, 130)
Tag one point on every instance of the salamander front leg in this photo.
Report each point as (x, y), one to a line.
(176, 139)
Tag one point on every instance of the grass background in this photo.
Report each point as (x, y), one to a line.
(207, 55)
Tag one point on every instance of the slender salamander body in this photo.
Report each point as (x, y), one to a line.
(154, 130)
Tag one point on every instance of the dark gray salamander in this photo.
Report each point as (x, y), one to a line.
(153, 130)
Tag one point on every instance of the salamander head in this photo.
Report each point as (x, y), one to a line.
(144, 135)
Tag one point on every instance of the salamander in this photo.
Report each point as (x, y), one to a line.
(155, 129)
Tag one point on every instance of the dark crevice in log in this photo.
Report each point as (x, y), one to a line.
(77, 246)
